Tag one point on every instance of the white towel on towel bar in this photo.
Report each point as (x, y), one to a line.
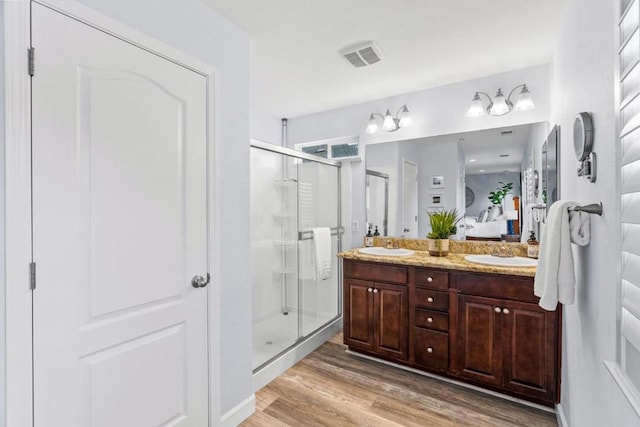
(580, 227)
(322, 249)
(555, 277)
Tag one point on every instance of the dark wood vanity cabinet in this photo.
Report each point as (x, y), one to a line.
(375, 316)
(430, 306)
(485, 329)
(507, 344)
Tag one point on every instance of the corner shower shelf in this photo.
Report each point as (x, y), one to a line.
(287, 183)
(284, 243)
(284, 270)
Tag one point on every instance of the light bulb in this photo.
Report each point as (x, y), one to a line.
(525, 103)
(499, 106)
(405, 118)
(388, 124)
(372, 126)
(476, 109)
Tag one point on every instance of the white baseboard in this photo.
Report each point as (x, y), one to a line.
(239, 413)
(267, 374)
(562, 420)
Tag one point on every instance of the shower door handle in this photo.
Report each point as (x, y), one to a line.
(199, 281)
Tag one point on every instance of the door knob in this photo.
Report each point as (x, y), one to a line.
(375, 291)
(505, 310)
(497, 309)
(370, 290)
(199, 281)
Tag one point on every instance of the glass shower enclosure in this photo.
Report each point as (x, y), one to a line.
(292, 193)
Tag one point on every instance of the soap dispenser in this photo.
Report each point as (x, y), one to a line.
(376, 232)
(368, 238)
(533, 247)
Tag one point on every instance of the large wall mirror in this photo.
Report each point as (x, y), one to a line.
(459, 171)
(377, 201)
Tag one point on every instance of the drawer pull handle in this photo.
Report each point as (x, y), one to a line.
(505, 310)
(429, 349)
(429, 319)
(429, 279)
(375, 291)
(429, 299)
(497, 310)
(370, 290)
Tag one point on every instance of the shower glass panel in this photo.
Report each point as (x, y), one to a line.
(290, 196)
(317, 207)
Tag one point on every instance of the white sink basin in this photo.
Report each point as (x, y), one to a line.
(516, 261)
(376, 250)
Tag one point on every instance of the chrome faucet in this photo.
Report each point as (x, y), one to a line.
(502, 251)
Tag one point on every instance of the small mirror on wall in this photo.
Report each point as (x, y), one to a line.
(550, 167)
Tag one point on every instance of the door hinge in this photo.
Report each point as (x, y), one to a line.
(32, 275)
(31, 59)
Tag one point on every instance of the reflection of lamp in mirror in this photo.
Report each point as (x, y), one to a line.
(390, 123)
(510, 216)
(501, 105)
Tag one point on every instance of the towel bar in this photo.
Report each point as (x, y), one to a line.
(308, 234)
(593, 208)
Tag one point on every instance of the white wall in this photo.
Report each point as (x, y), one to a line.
(436, 111)
(2, 225)
(194, 28)
(583, 76)
(436, 159)
(265, 127)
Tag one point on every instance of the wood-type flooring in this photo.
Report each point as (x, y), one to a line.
(332, 388)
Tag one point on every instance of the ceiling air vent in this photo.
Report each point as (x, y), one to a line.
(361, 54)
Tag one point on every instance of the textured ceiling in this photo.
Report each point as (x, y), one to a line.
(296, 68)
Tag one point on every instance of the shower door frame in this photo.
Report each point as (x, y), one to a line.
(254, 143)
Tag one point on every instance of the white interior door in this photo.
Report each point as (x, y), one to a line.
(410, 199)
(119, 230)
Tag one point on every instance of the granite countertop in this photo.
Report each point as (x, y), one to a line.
(453, 261)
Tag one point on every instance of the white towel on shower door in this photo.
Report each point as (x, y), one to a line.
(322, 249)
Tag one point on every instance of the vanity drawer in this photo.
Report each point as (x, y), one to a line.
(434, 300)
(376, 272)
(429, 278)
(517, 288)
(431, 348)
(432, 319)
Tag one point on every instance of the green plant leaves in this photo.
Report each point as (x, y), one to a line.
(443, 223)
(496, 197)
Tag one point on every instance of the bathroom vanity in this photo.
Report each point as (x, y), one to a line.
(476, 324)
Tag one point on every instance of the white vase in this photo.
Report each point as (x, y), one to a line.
(438, 247)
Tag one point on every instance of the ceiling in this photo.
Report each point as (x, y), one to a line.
(296, 68)
(494, 150)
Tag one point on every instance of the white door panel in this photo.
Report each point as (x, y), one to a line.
(119, 229)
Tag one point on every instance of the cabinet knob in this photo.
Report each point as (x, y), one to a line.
(370, 290)
(430, 319)
(429, 299)
(429, 279)
(429, 349)
(375, 291)
(497, 310)
(505, 310)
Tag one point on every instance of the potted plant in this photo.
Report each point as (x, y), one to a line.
(442, 223)
(496, 197)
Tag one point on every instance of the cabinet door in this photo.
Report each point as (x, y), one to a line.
(358, 314)
(479, 339)
(391, 320)
(530, 350)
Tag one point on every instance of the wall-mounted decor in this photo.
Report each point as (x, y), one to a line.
(469, 196)
(436, 200)
(436, 181)
(583, 146)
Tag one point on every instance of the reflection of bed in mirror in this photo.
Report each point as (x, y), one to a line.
(487, 230)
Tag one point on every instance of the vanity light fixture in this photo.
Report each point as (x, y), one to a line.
(501, 105)
(390, 123)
